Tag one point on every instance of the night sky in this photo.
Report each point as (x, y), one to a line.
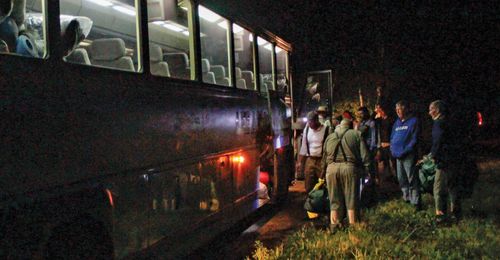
(418, 51)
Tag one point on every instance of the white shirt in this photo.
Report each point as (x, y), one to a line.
(315, 140)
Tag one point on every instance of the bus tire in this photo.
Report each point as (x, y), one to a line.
(83, 238)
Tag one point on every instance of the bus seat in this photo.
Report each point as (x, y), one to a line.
(178, 63)
(158, 66)
(9, 33)
(208, 76)
(220, 75)
(78, 55)
(240, 83)
(269, 84)
(110, 52)
(248, 77)
(3, 47)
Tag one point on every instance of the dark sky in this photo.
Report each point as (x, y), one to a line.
(419, 51)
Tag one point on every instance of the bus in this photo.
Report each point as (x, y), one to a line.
(134, 128)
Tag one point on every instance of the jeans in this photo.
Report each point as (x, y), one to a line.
(408, 178)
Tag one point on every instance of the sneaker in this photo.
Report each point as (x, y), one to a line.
(334, 228)
(440, 219)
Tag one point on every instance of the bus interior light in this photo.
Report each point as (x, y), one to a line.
(124, 10)
(207, 14)
(261, 41)
(223, 25)
(237, 28)
(104, 3)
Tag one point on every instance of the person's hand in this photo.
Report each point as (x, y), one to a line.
(298, 167)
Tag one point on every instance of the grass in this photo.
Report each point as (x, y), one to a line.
(393, 230)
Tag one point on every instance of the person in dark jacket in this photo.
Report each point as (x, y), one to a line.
(445, 184)
(404, 149)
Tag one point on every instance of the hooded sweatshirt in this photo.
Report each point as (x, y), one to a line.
(404, 137)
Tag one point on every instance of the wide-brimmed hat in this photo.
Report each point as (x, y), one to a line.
(321, 109)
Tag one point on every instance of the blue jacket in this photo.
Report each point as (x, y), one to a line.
(404, 137)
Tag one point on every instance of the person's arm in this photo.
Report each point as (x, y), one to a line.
(373, 141)
(365, 158)
(303, 152)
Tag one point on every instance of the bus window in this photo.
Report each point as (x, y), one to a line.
(281, 67)
(22, 28)
(243, 57)
(265, 65)
(214, 47)
(101, 33)
(169, 38)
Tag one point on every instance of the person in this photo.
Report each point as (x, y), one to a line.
(323, 116)
(445, 183)
(383, 129)
(298, 127)
(344, 156)
(404, 148)
(366, 126)
(311, 150)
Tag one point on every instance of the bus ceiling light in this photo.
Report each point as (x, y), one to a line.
(223, 25)
(124, 10)
(104, 3)
(261, 41)
(207, 14)
(237, 28)
(304, 119)
(479, 119)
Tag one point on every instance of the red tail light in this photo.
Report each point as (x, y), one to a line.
(479, 119)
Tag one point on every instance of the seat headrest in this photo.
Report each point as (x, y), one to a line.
(155, 53)
(219, 71)
(107, 49)
(78, 55)
(9, 32)
(237, 72)
(205, 65)
(177, 60)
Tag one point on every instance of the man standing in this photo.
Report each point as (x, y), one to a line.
(445, 181)
(311, 150)
(404, 149)
(345, 154)
(323, 116)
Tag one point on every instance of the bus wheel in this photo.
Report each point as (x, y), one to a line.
(81, 239)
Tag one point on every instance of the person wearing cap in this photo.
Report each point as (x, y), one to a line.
(345, 160)
(323, 116)
(311, 150)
